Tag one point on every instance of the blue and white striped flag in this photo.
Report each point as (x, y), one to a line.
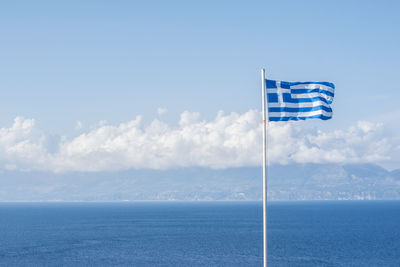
(299, 100)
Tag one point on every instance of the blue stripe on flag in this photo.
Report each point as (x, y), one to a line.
(319, 116)
(305, 109)
(272, 84)
(273, 98)
(306, 100)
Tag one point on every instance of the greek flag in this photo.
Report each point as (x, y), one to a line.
(299, 100)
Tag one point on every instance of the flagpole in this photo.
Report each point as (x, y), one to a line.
(265, 122)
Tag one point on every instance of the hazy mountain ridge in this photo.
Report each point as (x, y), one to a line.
(290, 182)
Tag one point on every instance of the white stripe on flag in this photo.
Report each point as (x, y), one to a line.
(298, 105)
(311, 95)
(300, 114)
(313, 86)
(275, 90)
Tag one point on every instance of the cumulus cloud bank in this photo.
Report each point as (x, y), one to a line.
(228, 140)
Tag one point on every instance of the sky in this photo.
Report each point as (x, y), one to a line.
(110, 85)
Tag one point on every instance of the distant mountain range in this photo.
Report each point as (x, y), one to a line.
(290, 182)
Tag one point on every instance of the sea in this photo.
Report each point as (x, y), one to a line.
(342, 233)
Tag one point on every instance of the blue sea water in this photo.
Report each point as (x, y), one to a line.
(199, 234)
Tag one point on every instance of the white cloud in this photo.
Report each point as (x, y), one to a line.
(229, 140)
(79, 125)
(161, 111)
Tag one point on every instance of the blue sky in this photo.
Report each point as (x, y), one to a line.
(74, 64)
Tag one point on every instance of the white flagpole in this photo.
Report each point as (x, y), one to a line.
(265, 122)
